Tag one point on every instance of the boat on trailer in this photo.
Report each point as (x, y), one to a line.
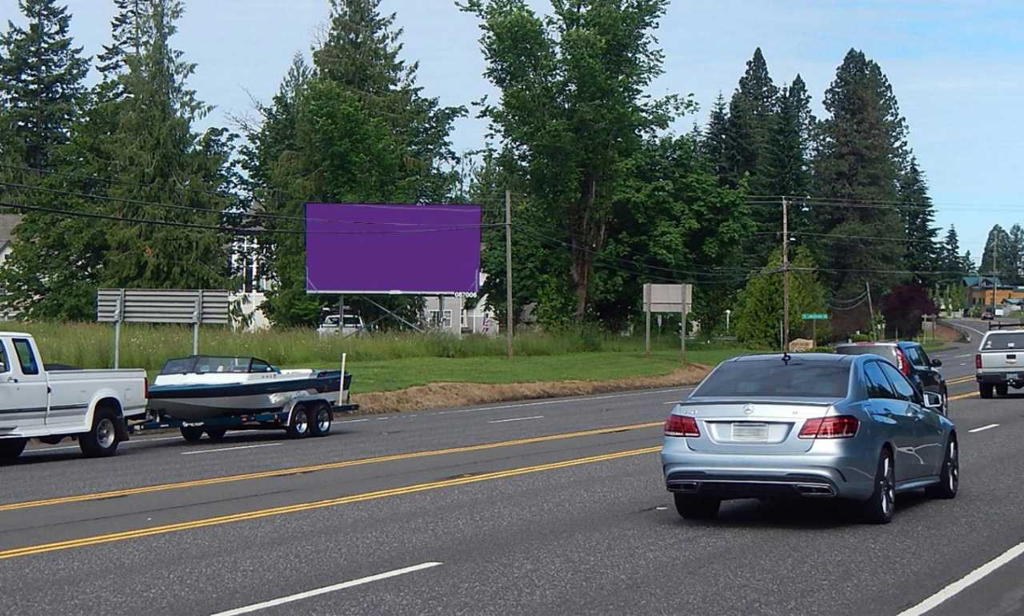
(203, 387)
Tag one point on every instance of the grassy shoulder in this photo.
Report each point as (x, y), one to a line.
(397, 374)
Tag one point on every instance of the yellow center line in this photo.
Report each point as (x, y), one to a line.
(972, 394)
(959, 380)
(289, 509)
(80, 498)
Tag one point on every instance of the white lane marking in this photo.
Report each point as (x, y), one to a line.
(69, 447)
(983, 428)
(516, 419)
(326, 589)
(352, 421)
(977, 331)
(565, 401)
(956, 587)
(195, 453)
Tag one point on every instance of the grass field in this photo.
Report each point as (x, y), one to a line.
(384, 362)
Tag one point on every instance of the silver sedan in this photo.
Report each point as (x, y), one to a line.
(808, 425)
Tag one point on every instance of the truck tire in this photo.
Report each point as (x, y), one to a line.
(11, 448)
(985, 389)
(298, 427)
(1002, 390)
(322, 417)
(191, 434)
(216, 434)
(102, 440)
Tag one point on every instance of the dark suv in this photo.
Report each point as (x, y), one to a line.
(910, 359)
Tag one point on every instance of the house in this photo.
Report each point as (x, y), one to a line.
(479, 319)
(989, 290)
(7, 224)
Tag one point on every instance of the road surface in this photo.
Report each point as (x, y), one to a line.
(542, 507)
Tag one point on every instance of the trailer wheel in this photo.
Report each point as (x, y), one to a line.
(101, 441)
(323, 417)
(298, 427)
(191, 434)
(11, 448)
(216, 434)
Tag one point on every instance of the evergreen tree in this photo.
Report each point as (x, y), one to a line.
(129, 31)
(996, 260)
(859, 161)
(715, 144)
(752, 115)
(790, 142)
(128, 152)
(354, 128)
(1015, 255)
(952, 259)
(759, 316)
(41, 75)
(922, 252)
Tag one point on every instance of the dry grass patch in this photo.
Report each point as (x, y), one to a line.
(448, 395)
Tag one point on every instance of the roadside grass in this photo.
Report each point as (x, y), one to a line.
(384, 362)
(395, 374)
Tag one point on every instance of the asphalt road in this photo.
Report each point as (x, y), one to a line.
(541, 507)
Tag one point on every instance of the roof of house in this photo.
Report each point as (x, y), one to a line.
(979, 281)
(7, 224)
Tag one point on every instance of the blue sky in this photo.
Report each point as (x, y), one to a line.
(955, 67)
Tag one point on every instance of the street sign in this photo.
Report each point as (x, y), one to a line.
(668, 298)
(815, 316)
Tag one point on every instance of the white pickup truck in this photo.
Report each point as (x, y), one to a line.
(91, 405)
(1000, 362)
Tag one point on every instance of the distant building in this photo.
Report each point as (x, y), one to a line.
(980, 291)
(7, 224)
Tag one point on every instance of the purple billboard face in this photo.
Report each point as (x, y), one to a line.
(410, 249)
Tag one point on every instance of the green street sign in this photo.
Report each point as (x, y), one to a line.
(815, 317)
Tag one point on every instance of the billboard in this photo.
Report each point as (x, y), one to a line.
(392, 249)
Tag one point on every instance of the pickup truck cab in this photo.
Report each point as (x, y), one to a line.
(1000, 362)
(90, 405)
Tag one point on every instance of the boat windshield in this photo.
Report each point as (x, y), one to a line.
(203, 364)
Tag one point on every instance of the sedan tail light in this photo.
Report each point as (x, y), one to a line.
(843, 426)
(902, 363)
(680, 425)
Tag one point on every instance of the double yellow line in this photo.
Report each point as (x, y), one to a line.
(334, 502)
(80, 498)
(961, 380)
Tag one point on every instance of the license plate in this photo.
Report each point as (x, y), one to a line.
(753, 432)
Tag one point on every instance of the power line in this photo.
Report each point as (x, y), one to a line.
(171, 206)
(241, 231)
(550, 239)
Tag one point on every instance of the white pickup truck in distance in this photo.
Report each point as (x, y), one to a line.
(90, 405)
(1000, 362)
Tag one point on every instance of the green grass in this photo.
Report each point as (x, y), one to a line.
(390, 375)
(383, 362)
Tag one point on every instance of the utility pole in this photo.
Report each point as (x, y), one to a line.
(508, 270)
(785, 275)
(871, 309)
(995, 272)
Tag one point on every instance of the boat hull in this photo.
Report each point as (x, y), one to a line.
(202, 402)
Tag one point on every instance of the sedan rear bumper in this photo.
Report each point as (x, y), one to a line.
(754, 476)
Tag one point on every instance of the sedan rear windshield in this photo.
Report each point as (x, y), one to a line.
(1004, 342)
(883, 350)
(773, 378)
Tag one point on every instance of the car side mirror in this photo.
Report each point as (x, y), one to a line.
(932, 401)
(936, 363)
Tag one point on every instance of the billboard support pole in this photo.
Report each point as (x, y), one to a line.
(392, 313)
(440, 314)
(508, 271)
(341, 315)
